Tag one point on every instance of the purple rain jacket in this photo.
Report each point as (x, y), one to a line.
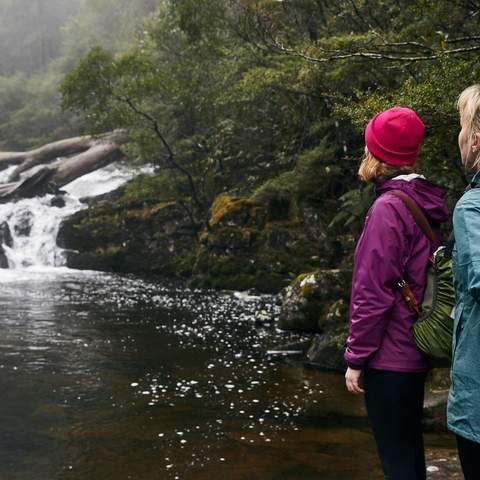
(392, 246)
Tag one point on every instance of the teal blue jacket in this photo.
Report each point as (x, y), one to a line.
(463, 410)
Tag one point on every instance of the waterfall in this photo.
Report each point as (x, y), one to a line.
(33, 223)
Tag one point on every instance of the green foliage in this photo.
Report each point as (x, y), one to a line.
(271, 98)
(89, 86)
(191, 89)
(368, 56)
(251, 96)
(30, 110)
(145, 189)
(310, 175)
(354, 206)
(30, 33)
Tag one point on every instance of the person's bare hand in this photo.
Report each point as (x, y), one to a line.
(352, 380)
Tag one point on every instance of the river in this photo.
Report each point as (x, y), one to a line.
(116, 377)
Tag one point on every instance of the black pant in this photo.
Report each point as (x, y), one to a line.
(469, 453)
(394, 402)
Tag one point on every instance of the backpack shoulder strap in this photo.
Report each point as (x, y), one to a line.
(418, 215)
(472, 186)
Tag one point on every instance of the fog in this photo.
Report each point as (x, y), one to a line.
(31, 32)
(41, 41)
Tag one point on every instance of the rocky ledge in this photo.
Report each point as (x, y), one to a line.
(115, 234)
(245, 243)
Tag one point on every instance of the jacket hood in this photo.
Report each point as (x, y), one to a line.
(428, 196)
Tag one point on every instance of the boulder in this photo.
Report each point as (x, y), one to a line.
(7, 240)
(6, 235)
(316, 301)
(23, 225)
(259, 242)
(435, 413)
(127, 236)
(58, 201)
(325, 352)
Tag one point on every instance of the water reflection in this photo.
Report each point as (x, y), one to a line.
(121, 378)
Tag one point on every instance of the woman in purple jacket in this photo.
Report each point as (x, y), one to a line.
(392, 247)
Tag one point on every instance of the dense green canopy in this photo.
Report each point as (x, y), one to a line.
(253, 96)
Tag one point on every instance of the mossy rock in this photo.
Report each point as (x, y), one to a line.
(254, 242)
(326, 351)
(151, 238)
(230, 210)
(315, 301)
(225, 238)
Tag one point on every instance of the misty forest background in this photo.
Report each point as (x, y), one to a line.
(252, 112)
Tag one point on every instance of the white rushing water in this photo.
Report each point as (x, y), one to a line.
(34, 222)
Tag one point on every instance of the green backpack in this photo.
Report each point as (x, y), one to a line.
(433, 330)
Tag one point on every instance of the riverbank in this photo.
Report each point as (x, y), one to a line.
(261, 240)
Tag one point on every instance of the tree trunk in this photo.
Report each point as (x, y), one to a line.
(37, 174)
(51, 151)
(98, 156)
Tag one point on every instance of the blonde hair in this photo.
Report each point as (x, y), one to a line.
(374, 170)
(468, 105)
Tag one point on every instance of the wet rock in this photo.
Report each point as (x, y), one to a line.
(262, 317)
(24, 223)
(6, 235)
(87, 261)
(326, 351)
(127, 236)
(291, 352)
(320, 352)
(58, 201)
(443, 463)
(7, 240)
(315, 301)
(245, 242)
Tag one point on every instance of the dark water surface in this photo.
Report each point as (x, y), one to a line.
(113, 377)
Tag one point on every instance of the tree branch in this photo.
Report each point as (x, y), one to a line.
(171, 157)
(472, 38)
(372, 55)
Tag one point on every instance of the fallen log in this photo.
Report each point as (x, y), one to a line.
(52, 151)
(39, 171)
